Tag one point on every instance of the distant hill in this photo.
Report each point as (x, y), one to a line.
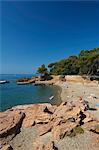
(86, 63)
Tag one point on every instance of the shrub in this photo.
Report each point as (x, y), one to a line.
(75, 131)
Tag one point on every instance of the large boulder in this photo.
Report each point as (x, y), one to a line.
(38, 114)
(10, 124)
(62, 110)
(60, 131)
(45, 128)
(65, 112)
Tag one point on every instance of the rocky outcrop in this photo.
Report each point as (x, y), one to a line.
(48, 115)
(7, 147)
(26, 80)
(10, 124)
(60, 131)
(60, 121)
(38, 114)
(43, 129)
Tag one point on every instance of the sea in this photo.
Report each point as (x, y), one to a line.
(12, 94)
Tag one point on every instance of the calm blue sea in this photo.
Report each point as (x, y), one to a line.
(12, 94)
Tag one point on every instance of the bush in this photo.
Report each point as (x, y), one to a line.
(75, 131)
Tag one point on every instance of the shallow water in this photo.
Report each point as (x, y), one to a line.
(12, 94)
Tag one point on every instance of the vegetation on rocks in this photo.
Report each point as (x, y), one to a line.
(44, 73)
(45, 119)
(42, 69)
(75, 131)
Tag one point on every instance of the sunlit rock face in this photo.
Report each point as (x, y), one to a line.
(64, 120)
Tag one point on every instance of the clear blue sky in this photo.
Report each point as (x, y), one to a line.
(34, 33)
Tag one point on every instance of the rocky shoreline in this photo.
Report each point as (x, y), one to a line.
(47, 127)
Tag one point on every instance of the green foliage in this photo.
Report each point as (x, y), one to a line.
(87, 62)
(44, 73)
(78, 130)
(75, 131)
(51, 65)
(42, 69)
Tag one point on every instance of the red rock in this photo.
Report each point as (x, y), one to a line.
(95, 129)
(58, 121)
(95, 141)
(43, 129)
(90, 125)
(50, 109)
(36, 113)
(83, 105)
(60, 130)
(7, 147)
(10, 122)
(62, 110)
(88, 117)
(39, 145)
(46, 118)
(50, 146)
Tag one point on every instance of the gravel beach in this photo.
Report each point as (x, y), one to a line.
(73, 91)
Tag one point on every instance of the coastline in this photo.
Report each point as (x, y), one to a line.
(13, 95)
(41, 118)
(56, 103)
(73, 91)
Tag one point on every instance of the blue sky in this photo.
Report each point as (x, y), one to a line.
(34, 33)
